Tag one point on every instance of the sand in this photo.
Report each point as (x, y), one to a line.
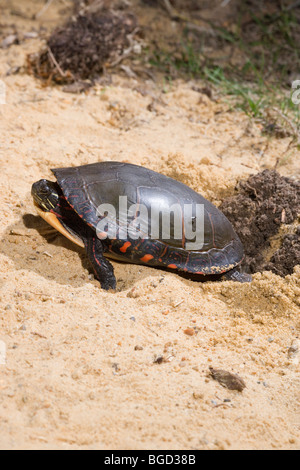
(87, 369)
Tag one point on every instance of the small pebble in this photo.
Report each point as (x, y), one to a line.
(294, 348)
(9, 41)
(31, 35)
(198, 396)
(227, 379)
(189, 331)
(158, 359)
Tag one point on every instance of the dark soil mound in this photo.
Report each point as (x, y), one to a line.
(81, 48)
(265, 202)
(288, 256)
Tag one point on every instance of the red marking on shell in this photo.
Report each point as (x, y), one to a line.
(165, 251)
(172, 266)
(147, 258)
(125, 247)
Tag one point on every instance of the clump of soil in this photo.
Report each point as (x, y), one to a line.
(283, 261)
(265, 202)
(83, 46)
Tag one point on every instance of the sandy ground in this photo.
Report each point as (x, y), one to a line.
(80, 366)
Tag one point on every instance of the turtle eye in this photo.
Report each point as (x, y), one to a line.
(44, 188)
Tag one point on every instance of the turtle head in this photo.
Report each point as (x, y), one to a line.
(45, 194)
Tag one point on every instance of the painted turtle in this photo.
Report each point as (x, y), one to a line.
(77, 203)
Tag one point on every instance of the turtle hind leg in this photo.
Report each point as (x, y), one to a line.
(237, 276)
(103, 268)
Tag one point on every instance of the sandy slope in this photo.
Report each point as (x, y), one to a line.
(80, 370)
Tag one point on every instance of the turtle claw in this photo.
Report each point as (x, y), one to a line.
(109, 284)
(236, 276)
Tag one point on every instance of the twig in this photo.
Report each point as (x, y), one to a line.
(284, 10)
(172, 12)
(202, 29)
(38, 334)
(95, 6)
(191, 24)
(128, 51)
(43, 10)
(63, 74)
(126, 54)
(293, 6)
(292, 125)
(225, 3)
(168, 7)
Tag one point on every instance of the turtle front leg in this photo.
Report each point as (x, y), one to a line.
(103, 268)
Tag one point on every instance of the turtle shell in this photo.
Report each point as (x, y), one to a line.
(88, 187)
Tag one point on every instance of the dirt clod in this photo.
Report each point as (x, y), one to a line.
(83, 47)
(265, 202)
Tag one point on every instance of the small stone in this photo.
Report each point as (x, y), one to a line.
(189, 331)
(134, 293)
(9, 41)
(158, 359)
(138, 348)
(75, 375)
(294, 352)
(198, 396)
(116, 367)
(31, 35)
(294, 348)
(227, 379)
